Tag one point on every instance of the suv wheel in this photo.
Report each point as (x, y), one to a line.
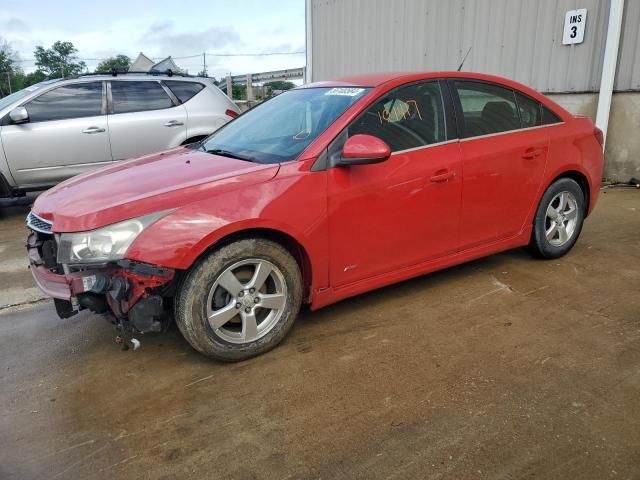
(240, 300)
(558, 220)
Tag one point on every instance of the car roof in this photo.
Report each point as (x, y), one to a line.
(389, 80)
(379, 79)
(137, 76)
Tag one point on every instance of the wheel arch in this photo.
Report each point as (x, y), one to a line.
(291, 244)
(582, 180)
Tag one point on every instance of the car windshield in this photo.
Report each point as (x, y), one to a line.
(15, 96)
(281, 128)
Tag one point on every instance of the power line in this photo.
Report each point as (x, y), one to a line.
(261, 54)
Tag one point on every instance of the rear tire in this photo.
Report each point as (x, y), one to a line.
(240, 300)
(558, 220)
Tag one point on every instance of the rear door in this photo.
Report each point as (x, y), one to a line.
(144, 117)
(66, 135)
(504, 153)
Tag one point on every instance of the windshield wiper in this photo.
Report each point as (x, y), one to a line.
(227, 153)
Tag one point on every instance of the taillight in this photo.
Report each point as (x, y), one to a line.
(231, 113)
(599, 135)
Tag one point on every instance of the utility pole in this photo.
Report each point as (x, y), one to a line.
(229, 87)
(204, 64)
(9, 82)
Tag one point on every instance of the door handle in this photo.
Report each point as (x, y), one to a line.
(173, 123)
(443, 176)
(93, 130)
(531, 153)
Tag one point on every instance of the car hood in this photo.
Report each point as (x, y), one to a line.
(143, 185)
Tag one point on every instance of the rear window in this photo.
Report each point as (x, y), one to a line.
(548, 117)
(486, 108)
(529, 110)
(184, 90)
(141, 96)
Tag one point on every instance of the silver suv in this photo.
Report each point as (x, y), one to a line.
(60, 128)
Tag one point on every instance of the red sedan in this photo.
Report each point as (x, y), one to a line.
(318, 194)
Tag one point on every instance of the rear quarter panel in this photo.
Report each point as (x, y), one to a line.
(574, 147)
(205, 111)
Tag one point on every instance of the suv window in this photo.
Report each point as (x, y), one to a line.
(486, 108)
(529, 110)
(184, 90)
(133, 96)
(407, 117)
(68, 101)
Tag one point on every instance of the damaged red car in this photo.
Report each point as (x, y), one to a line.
(321, 193)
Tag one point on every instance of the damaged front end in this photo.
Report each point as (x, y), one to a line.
(133, 293)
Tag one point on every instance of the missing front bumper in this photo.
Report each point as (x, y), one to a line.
(130, 290)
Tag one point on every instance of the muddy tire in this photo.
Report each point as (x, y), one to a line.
(240, 300)
(558, 220)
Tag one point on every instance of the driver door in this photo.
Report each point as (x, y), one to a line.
(405, 210)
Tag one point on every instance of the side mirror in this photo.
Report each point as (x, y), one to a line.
(19, 115)
(363, 150)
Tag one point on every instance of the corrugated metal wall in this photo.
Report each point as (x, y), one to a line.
(519, 39)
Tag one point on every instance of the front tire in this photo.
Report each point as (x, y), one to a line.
(558, 220)
(240, 300)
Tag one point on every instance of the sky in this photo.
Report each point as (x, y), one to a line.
(160, 28)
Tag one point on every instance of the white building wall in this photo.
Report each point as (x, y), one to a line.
(519, 39)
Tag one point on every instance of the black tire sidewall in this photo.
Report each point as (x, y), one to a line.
(539, 242)
(190, 311)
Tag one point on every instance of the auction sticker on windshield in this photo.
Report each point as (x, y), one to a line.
(348, 92)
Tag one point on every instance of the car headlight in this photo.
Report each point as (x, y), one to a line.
(105, 244)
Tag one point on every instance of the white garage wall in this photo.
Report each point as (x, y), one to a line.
(519, 39)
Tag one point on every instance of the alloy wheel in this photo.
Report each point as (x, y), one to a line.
(561, 219)
(247, 300)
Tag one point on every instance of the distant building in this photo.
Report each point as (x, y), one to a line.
(144, 64)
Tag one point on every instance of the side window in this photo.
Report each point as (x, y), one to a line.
(529, 111)
(408, 117)
(548, 117)
(486, 108)
(138, 96)
(69, 101)
(184, 90)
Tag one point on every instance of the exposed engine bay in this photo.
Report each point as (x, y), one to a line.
(134, 296)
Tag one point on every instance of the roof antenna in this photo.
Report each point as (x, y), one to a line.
(465, 57)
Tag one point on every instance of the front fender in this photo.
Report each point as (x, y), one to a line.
(5, 171)
(293, 203)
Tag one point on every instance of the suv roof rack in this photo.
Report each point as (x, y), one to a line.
(115, 72)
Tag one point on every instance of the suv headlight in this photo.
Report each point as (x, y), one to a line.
(105, 244)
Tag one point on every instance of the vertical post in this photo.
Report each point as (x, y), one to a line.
(204, 64)
(609, 65)
(249, 88)
(229, 87)
(308, 22)
(9, 82)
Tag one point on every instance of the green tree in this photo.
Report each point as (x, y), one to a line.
(58, 61)
(10, 71)
(121, 63)
(239, 91)
(279, 85)
(33, 78)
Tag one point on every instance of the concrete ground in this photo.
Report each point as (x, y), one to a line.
(504, 368)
